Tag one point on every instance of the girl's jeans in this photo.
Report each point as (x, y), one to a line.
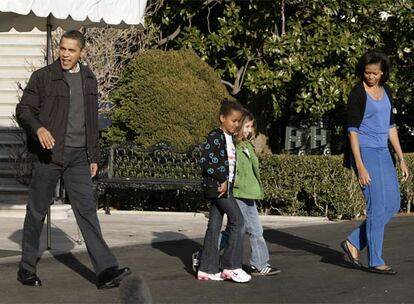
(233, 253)
(252, 226)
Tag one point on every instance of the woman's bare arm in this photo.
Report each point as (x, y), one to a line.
(395, 143)
(363, 175)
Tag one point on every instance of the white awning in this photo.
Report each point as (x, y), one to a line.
(24, 15)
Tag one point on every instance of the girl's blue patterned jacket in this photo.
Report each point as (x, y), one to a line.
(214, 162)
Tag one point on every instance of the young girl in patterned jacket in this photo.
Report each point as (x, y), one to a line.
(218, 162)
(246, 190)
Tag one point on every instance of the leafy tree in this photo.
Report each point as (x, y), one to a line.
(229, 35)
(399, 43)
(292, 60)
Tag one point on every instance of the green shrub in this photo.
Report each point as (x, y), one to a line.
(170, 96)
(318, 185)
(311, 185)
(407, 188)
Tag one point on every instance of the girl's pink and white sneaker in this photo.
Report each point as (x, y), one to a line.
(236, 275)
(204, 276)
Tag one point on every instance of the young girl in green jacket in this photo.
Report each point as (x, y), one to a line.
(247, 189)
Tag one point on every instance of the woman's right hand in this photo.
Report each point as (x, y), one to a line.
(363, 176)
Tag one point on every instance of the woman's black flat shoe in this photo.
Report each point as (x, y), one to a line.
(388, 271)
(354, 261)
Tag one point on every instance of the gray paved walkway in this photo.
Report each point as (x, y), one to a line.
(309, 256)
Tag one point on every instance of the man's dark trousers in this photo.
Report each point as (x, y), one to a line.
(77, 178)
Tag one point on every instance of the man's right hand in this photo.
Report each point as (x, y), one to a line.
(45, 137)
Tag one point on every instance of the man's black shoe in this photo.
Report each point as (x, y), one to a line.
(112, 277)
(27, 278)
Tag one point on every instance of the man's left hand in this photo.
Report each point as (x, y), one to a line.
(94, 169)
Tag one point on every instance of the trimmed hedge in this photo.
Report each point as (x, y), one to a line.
(318, 186)
(309, 185)
(170, 96)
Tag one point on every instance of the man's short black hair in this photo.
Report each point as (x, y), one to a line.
(75, 35)
(375, 56)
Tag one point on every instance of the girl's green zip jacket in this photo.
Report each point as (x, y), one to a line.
(247, 181)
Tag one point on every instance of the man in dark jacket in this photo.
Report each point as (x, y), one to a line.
(59, 112)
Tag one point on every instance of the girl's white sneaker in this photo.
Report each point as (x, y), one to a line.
(236, 275)
(204, 276)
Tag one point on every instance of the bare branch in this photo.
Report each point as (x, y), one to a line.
(229, 84)
(208, 14)
(244, 73)
(170, 37)
(238, 82)
(282, 14)
(208, 20)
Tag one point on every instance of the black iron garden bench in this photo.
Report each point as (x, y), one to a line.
(160, 167)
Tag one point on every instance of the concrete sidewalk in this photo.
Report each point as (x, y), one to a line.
(127, 228)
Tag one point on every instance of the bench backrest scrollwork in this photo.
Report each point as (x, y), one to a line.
(161, 161)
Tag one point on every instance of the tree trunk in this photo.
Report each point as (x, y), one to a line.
(282, 17)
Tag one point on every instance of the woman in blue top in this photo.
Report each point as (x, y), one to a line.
(371, 126)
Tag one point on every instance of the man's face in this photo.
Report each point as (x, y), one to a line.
(69, 53)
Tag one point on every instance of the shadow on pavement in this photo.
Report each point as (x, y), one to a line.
(8, 253)
(62, 244)
(327, 254)
(180, 246)
(70, 261)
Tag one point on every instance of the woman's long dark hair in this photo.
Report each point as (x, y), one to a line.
(375, 56)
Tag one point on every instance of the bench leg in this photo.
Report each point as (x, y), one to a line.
(49, 229)
(96, 196)
(107, 209)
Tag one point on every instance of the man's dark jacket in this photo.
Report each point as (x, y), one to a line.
(45, 103)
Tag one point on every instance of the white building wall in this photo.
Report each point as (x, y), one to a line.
(20, 54)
